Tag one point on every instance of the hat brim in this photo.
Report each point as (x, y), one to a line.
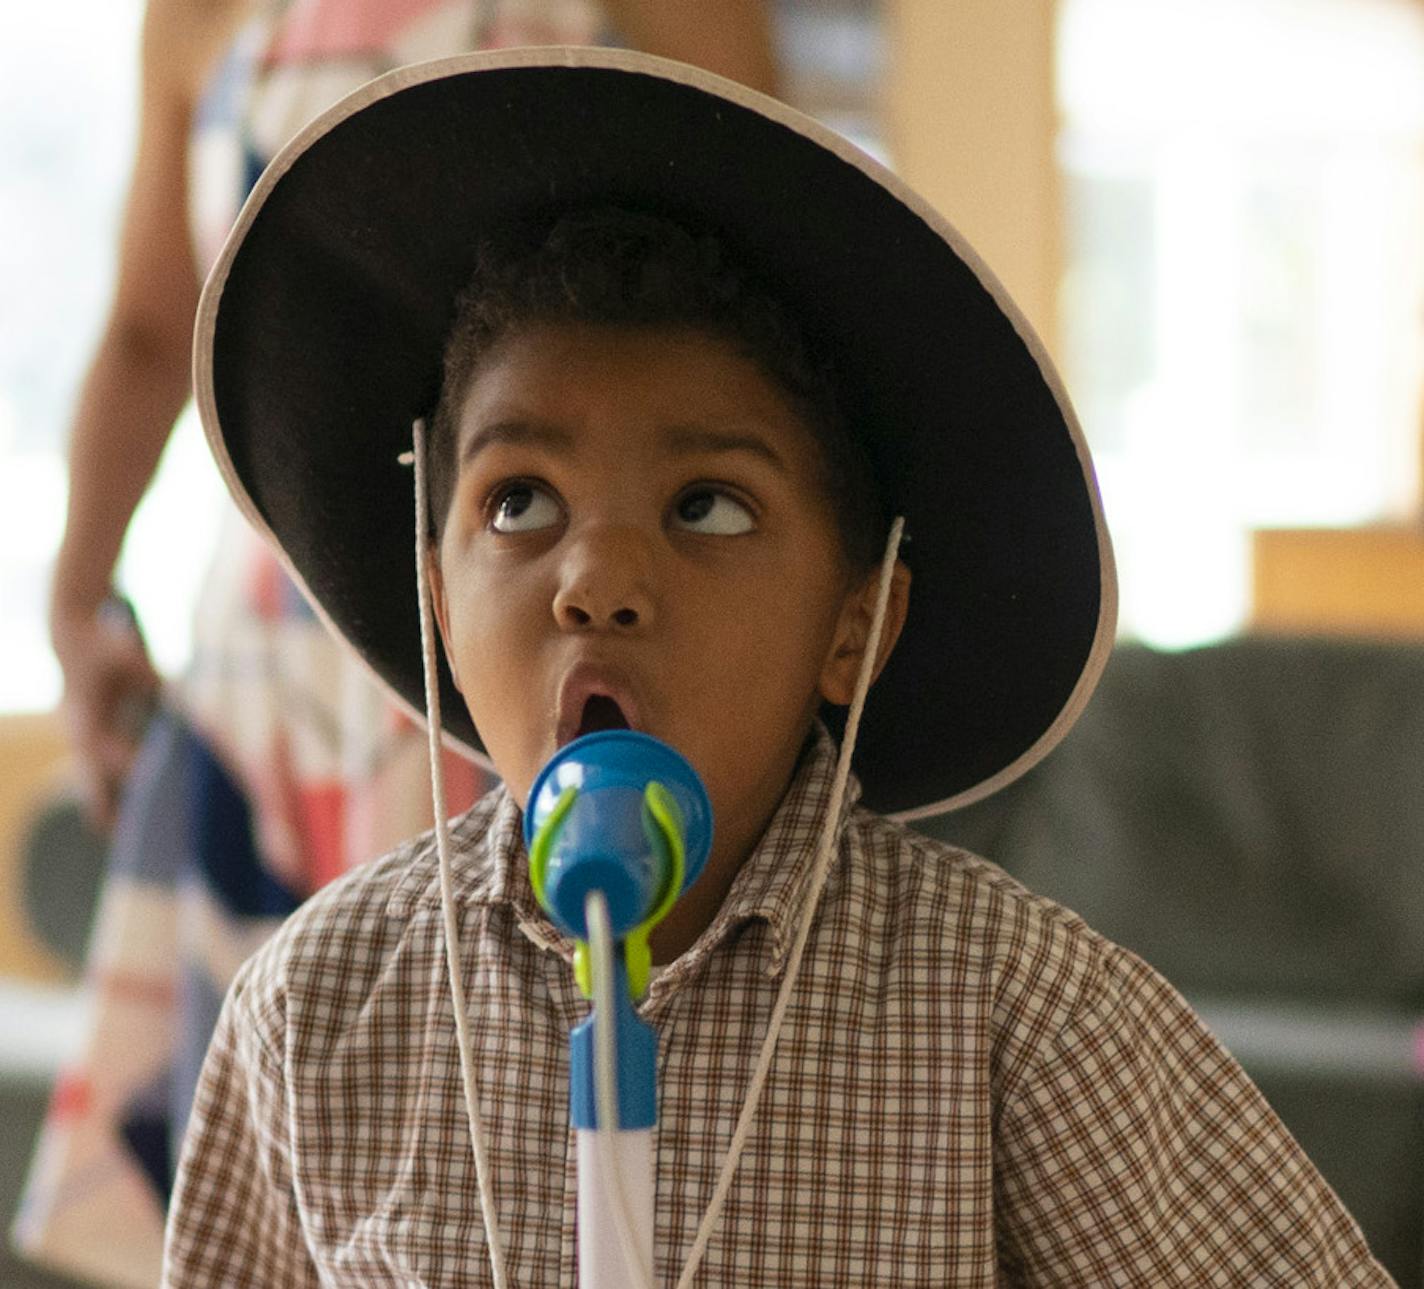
(321, 326)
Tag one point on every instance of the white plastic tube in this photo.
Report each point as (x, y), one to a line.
(603, 1262)
(615, 1168)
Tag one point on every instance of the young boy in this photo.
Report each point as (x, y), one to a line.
(679, 406)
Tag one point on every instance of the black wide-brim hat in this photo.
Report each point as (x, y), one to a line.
(320, 332)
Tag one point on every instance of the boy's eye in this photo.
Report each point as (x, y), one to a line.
(709, 510)
(524, 508)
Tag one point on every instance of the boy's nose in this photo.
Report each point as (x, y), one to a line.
(604, 584)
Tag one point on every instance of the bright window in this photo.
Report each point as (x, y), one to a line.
(1245, 285)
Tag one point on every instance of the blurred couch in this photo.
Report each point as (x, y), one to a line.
(1249, 818)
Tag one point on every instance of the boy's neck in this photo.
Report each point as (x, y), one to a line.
(738, 838)
(692, 914)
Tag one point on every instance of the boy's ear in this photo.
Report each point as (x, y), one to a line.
(842, 666)
(441, 606)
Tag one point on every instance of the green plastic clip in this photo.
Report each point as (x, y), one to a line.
(663, 826)
(544, 841)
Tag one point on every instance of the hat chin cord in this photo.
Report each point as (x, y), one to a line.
(442, 846)
(830, 833)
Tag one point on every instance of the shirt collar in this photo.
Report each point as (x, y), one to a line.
(772, 884)
(491, 867)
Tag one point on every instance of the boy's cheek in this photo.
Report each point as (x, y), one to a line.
(515, 757)
(440, 609)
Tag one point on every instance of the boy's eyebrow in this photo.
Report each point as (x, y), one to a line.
(687, 440)
(679, 440)
(521, 433)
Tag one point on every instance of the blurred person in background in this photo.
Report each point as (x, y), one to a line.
(257, 70)
(275, 763)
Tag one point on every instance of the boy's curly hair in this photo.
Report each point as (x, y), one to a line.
(626, 269)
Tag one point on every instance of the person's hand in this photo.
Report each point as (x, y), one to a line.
(110, 688)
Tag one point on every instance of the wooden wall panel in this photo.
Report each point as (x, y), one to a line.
(32, 758)
(1355, 581)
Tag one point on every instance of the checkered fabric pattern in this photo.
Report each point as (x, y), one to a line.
(972, 1088)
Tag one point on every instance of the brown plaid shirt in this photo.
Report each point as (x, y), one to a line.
(971, 1088)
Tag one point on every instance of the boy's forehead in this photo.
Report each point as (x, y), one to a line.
(679, 391)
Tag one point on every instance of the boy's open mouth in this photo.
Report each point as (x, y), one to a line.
(595, 697)
(600, 712)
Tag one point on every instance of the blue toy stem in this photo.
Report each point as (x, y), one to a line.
(637, 1062)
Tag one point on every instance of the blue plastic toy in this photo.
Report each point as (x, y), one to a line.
(621, 813)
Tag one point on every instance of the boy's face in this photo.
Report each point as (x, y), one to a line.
(636, 521)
